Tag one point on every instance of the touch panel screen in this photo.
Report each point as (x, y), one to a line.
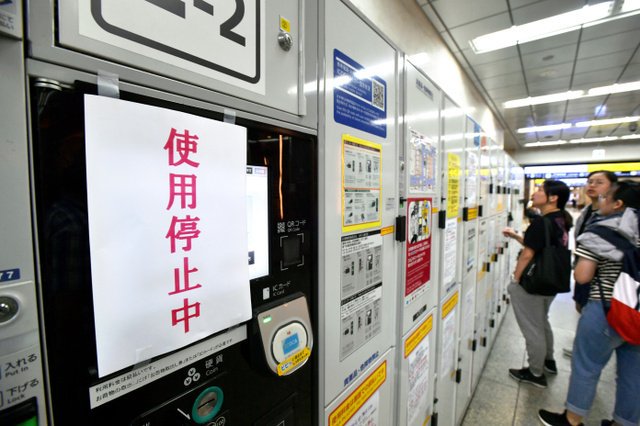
(258, 221)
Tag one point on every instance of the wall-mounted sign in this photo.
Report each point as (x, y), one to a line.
(359, 98)
(418, 256)
(361, 184)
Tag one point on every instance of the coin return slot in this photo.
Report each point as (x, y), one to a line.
(207, 405)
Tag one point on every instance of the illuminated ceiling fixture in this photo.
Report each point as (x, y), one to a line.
(544, 143)
(573, 94)
(559, 24)
(548, 128)
(591, 140)
(581, 140)
(607, 122)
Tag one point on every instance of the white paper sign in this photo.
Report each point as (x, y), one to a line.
(448, 343)
(419, 372)
(166, 198)
(368, 414)
(450, 251)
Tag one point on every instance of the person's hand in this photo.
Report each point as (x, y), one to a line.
(509, 232)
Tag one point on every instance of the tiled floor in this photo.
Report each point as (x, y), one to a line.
(499, 400)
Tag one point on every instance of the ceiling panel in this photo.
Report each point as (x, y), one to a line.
(549, 73)
(545, 87)
(586, 80)
(562, 40)
(528, 137)
(612, 27)
(631, 73)
(508, 93)
(621, 107)
(600, 131)
(503, 80)
(595, 63)
(624, 130)
(613, 43)
(548, 136)
(493, 69)
(519, 3)
(455, 16)
(544, 9)
(574, 133)
(554, 56)
(555, 108)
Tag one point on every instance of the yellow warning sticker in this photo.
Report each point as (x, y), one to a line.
(472, 213)
(291, 363)
(343, 413)
(386, 231)
(414, 340)
(285, 25)
(449, 305)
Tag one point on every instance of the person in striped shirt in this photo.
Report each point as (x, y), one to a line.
(599, 264)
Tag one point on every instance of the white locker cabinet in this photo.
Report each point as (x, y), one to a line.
(358, 182)
(420, 187)
(251, 51)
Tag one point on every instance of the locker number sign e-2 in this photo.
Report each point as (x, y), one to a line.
(224, 36)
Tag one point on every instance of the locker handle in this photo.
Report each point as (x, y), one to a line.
(401, 229)
(442, 219)
(458, 375)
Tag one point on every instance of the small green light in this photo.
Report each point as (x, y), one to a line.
(266, 319)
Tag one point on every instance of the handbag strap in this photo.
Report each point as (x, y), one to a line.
(547, 231)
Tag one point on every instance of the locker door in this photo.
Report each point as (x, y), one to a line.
(469, 268)
(358, 185)
(453, 144)
(418, 293)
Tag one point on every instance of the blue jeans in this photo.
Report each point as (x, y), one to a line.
(594, 343)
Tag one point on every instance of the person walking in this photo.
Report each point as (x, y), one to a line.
(532, 310)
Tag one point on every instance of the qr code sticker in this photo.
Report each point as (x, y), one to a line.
(378, 94)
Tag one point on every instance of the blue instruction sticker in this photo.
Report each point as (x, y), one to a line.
(10, 275)
(290, 344)
(359, 99)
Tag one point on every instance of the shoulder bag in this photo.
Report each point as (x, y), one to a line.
(549, 272)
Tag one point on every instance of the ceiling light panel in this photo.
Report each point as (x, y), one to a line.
(608, 122)
(547, 27)
(546, 128)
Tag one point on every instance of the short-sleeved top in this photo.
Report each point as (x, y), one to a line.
(607, 272)
(534, 235)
